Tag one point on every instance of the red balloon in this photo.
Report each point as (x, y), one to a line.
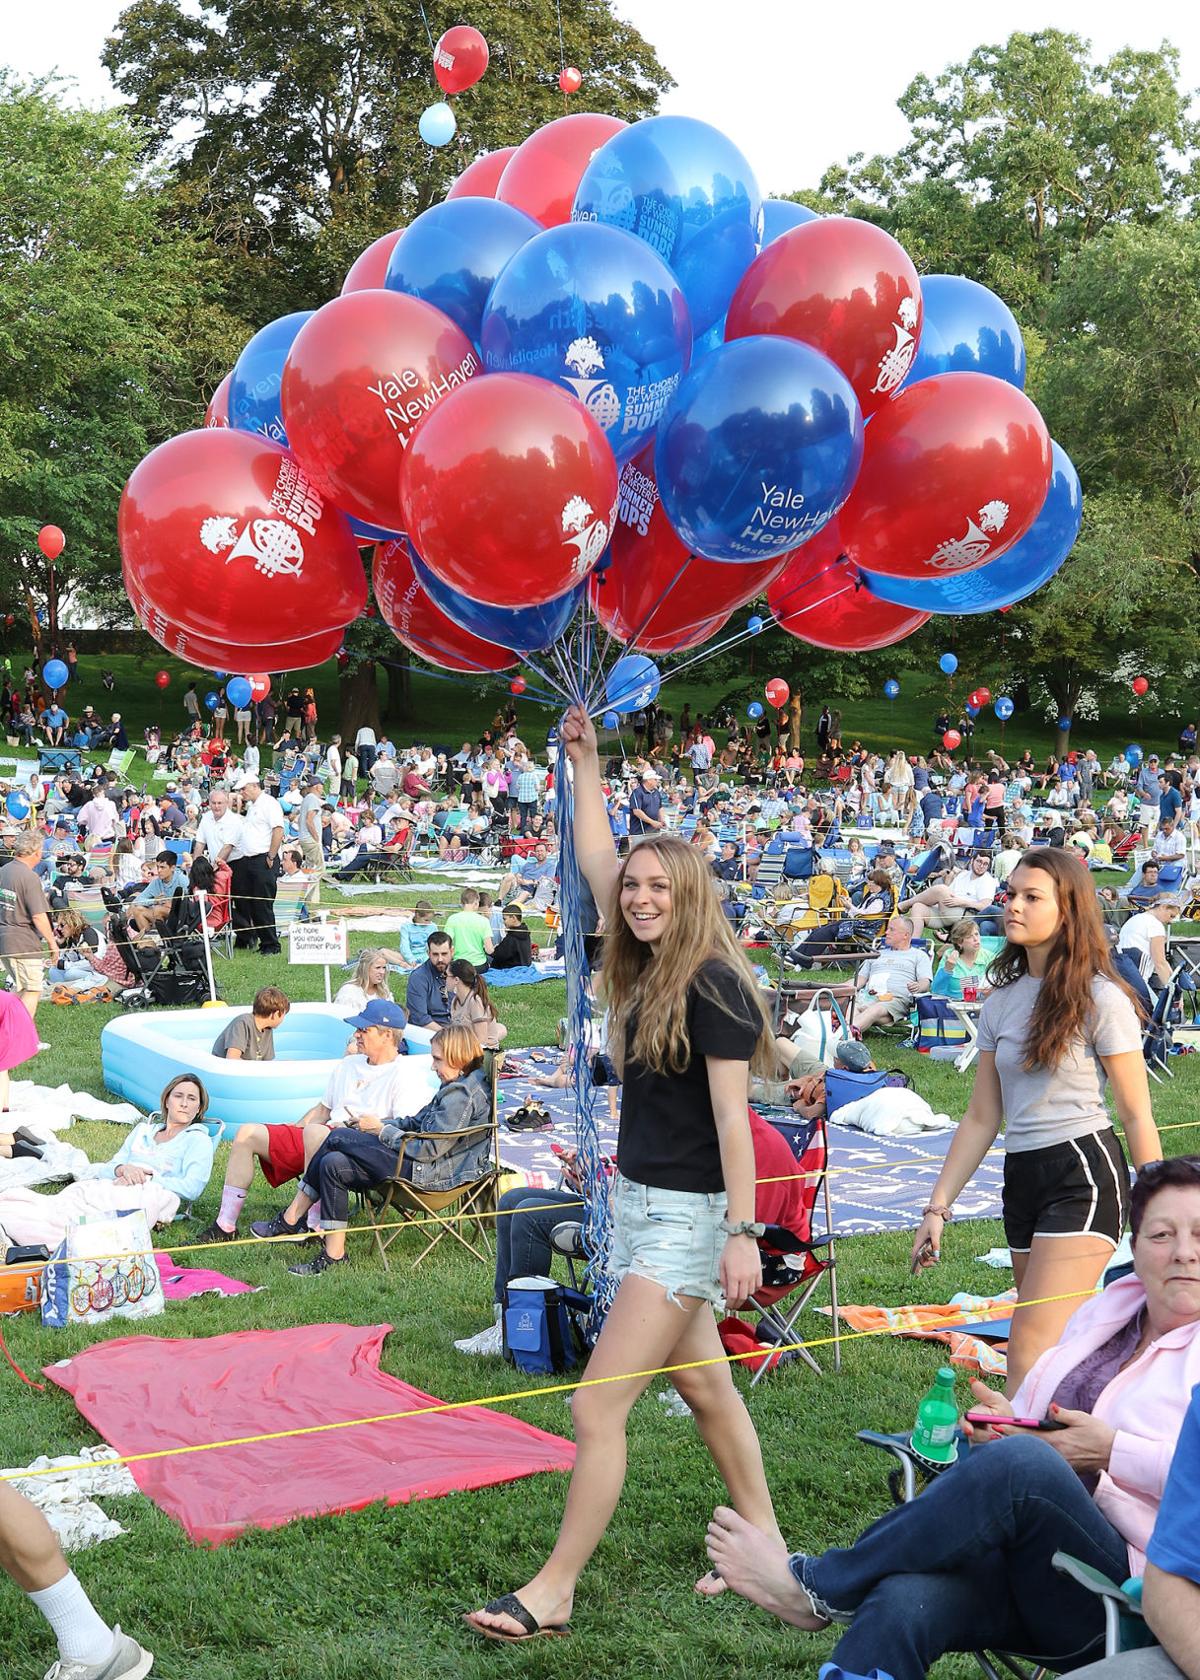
(225, 535)
(51, 541)
(845, 287)
(655, 584)
(260, 686)
(460, 58)
(481, 178)
(973, 699)
(361, 374)
(777, 692)
(509, 490)
(421, 626)
(651, 631)
(681, 641)
(211, 655)
(366, 272)
(570, 81)
(1140, 686)
(517, 685)
(542, 176)
(951, 740)
(162, 679)
(821, 598)
(954, 472)
(984, 693)
(217, 412)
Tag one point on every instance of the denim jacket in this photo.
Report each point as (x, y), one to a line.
(440, 1163)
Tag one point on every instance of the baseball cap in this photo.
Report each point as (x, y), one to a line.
(379, 1012)
(853, 1055)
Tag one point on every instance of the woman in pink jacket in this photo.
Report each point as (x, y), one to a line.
(967, 1565)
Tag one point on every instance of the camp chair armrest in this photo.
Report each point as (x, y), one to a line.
(786, 1242)
(1095, 1581)
(481, 1128)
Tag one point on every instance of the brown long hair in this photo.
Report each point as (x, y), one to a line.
(655, 988)
(1080, 951)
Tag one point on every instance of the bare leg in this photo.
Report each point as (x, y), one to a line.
(1067, 1267)
(315, 1133)
(250, 1144)
(29, 1553)
(640, 1333)
(755, 1565)
(31, 1001)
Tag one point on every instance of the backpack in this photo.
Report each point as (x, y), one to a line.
(539, 1333)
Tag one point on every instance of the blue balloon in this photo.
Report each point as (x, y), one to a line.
(754, 709)
(632, 683)
(55, 673)
(780, 216)
(1133, 756)
(437, 124)
(239, 693)
(17, 805)
(892, 689)
(1009, 578)
(453, 252)
(254, 382)
(971, 711)
(595, 310)
(524, 629)
(220, 675)
(758, 449)
(966, 329)
(1064, 723)
(685, 189)
(372, 533)
(212, 700)
(754, 625)
(948, 664)
(611, 720)
(1004, 708)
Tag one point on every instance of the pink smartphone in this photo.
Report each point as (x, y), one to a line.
(987, 1420)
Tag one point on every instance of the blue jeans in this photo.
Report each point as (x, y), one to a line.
(966, 1566)
(347, 1160)
(523, 1237)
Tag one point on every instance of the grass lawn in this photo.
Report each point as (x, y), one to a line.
(357, 1597)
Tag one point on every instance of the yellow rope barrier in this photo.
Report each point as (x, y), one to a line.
(519, 1394)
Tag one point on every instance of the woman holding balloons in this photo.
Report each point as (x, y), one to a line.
(685, 1025)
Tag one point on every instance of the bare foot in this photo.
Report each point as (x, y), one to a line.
(756, 1566)
(711, 1585)
(547, 1611)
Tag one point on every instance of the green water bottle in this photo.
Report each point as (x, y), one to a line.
(934, 1433)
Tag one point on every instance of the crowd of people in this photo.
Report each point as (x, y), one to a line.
(951, 858)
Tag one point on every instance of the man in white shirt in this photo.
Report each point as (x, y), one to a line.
(888, 983)
(219, 829)
(255, 865)
(971, 890)
(1144, 936)
(1169, 845)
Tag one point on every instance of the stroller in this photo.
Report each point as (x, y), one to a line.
(168, 969)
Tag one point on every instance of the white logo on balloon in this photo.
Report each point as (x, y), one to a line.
(968, 550)
(273, 545)
(585, 533)
(893, 369)
(584, 357)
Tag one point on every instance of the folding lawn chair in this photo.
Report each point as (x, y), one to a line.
(768, 875)
(793, 1270)
(292, 899)
(470, 1200)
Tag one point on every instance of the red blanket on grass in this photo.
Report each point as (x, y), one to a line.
(147, 1393)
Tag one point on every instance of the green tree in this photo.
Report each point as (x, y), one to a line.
(1120, 384)
(1024, 153)
(299, 118)
(108, 327)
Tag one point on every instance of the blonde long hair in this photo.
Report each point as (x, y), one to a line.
(654, 988)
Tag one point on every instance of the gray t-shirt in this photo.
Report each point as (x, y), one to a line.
(257, 1044)
(22, 897)
(310, 803)
(1054, 1105)
(901, 970)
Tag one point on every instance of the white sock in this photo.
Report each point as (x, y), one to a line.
(232, 1202)
(313, 1217)
(82, 1635)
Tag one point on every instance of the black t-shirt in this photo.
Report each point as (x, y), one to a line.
(668, 1136)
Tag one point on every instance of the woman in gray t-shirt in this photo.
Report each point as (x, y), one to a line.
(1058, 1030)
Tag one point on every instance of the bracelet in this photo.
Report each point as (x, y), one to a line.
(743, 1228)
(941, 1210)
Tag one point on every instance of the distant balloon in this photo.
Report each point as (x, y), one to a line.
(1133, 756)
(1064, 723)
(951, 740)
(610, 720)
(517, 685)
(437, 124)
(1004, 708)
(240, 693)
(570, 81)
(948, 664)
(754, 709)
(1140, 686)
(17, 805)
(55, 674)
(460, 58)
(51, 541)
(212, 700)
(891, 689)
(777, 692)
(162, 679)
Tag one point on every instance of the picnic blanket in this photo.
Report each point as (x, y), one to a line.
(184, 1283)
(876, 1183)
(68, 1501)
(526, 976)
(58, 1106)
(948, 1322)
(58, 1161)
(149, 1393)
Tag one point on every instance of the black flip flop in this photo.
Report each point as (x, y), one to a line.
(510, 1605)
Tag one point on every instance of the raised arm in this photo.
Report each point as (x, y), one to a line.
(594, 845)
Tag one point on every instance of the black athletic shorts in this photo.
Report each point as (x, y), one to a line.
(1074, 1189)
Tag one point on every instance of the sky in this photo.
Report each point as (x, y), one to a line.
(798, 86)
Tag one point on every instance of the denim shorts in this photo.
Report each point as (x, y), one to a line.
(672, 1237)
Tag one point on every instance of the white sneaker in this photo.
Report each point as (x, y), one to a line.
(488, 1343)
(127, 1662)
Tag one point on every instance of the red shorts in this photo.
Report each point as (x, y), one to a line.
(285, 1154)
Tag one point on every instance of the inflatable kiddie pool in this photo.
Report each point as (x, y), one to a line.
(140, 1052)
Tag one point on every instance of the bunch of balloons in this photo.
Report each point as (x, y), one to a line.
(604, 380)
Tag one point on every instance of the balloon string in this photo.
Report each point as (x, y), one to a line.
(562, 56)
(425, 21)
(442, 676)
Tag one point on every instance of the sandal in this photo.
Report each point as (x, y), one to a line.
(510, 1605)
